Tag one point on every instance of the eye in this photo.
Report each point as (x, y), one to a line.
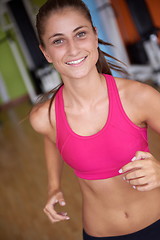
(58, 42)
(81, 34)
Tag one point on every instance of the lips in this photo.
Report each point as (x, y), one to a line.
(76, 61)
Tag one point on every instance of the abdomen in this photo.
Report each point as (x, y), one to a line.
(112, 207)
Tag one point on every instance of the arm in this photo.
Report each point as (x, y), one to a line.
(54, 167)
(40, 123)
(143, 172)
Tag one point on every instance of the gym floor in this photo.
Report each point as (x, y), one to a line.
(23, 183)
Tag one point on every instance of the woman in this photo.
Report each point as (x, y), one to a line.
(98, 125)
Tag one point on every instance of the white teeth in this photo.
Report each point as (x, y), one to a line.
(75, 62)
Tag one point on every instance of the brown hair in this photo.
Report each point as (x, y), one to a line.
(51, 6)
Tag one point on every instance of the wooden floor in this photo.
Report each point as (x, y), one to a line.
(23, 183)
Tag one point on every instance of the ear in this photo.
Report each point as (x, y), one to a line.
(96, 31)
(46, 55)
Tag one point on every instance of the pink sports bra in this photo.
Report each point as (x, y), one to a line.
(100, 155)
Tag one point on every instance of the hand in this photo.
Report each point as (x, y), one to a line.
(143, 172)
(50, 211)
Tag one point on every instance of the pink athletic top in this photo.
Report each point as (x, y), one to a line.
(100, 155)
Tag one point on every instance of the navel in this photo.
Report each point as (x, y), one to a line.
(126, 214)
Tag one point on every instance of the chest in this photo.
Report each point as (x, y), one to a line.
(103, 154)
(89, 121)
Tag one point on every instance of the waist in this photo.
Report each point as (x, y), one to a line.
(112, 207)
(150, 232)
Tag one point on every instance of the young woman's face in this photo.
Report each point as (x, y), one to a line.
(70, 43)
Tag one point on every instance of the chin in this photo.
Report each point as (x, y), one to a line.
(80, 73)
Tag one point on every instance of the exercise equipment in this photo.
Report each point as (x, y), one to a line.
(149, 41)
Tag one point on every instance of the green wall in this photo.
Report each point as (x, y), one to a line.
(38, 2)
(8, 66)
(9, 70)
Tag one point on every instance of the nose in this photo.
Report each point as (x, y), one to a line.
(73, 48)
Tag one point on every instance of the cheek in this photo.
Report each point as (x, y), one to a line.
(93, 45)
(57, 55)
(95, 49)
(96, 56)
(58, 60)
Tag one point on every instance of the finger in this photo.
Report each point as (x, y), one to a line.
(58, 216)
(135, 161)
(138, 173)
(142, 155)
(62, 213)
(49, 209)
(144, 188)
(132, 165)
(53, 220)
(139, 181)
(60, 199)
(62, 202)
(52, 201)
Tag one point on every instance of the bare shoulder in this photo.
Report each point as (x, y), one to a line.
(39, 118)
(136, 90)
(141, 102)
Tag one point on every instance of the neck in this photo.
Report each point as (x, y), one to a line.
(83, 92)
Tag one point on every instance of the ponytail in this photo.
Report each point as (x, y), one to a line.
(104, 65)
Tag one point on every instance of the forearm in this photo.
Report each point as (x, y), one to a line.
(54, 166)
(55, 195)
(54, 179)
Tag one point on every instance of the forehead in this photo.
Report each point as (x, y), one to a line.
(65, 20)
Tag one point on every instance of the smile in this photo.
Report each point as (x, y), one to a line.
(76, 62)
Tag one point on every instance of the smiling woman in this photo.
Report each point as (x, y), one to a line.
(70, 45)
(98, 126)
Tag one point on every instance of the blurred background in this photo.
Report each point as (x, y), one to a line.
(133, 27)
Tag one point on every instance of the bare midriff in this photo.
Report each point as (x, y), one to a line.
(112, 207)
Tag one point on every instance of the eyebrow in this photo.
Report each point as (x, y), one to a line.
(61, 34)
